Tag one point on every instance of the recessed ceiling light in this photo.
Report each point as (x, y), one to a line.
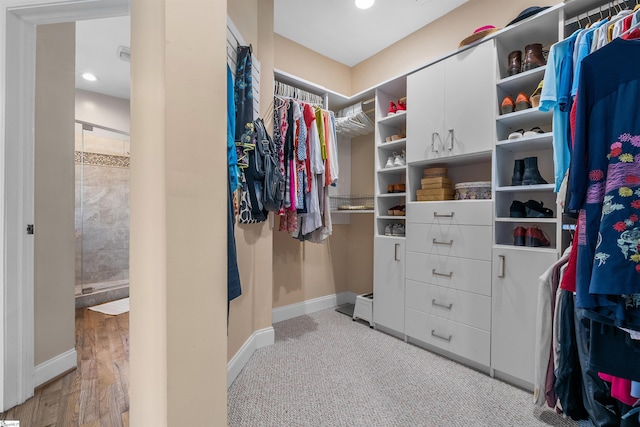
(88, 76)
(364, 4)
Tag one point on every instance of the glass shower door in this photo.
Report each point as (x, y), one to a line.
(102, 209)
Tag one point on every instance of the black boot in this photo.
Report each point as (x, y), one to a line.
(518, 171)
(531, 175)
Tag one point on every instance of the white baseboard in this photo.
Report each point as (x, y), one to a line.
(262, 338)
(311, 306)
(55, 366)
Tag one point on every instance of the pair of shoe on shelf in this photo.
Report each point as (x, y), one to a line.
(530, 236)
(394, 230)
(393, 108)
(396, 188)
(396, 160)
(533, 58)
(395, 137)
(529, 209)
(521, 133)
(396, 210)
(522, 101)
(525, 172)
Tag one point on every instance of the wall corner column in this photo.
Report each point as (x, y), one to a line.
(178, 226)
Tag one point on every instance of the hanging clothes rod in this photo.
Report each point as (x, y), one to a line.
(283, 89)
(597, 11)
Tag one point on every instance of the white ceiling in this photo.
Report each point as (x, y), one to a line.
(333, 28)
(339, 30)
(97, 43)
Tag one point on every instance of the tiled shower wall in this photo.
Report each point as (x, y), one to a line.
(102, 224)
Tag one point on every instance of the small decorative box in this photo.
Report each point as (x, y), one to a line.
(473, 190)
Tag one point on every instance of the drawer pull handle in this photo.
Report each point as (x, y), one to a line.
(436, 242)
(452, 138)
(447, 339)
(435, 273)
(395, 252)
(437, 215)
(502, 262)
(448, 307)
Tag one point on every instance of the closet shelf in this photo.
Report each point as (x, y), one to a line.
(393, 169)
(397, 119)
(525, 119)
(539, 142)
(527, 220)
(351, 212)
(390, 195)
(545, 249)
(398, 143)
(517, 83)
(525, 188)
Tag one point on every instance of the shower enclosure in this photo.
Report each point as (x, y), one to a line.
(101, 214)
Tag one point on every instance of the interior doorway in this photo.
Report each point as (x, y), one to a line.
(20, 20)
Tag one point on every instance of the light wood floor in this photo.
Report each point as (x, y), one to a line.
(96, 394)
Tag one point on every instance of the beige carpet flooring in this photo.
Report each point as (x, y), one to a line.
(326, 370)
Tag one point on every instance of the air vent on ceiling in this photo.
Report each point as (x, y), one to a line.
(124, 53)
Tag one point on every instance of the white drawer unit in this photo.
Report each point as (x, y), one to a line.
(464, 241)
(469, 212)
(457, 273)
(460, 306)
(466, 341)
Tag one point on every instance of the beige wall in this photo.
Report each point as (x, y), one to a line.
(54, 192)
(304, 270)
(103, 110)
(252, 310)
(178, 327)
(312, 66)
(435, 40)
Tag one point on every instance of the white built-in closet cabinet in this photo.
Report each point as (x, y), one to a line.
(455, 283)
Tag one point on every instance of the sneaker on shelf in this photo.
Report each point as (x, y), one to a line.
(389, 162)
(398, 230)
(399, 159)
(533, 132)
(392, 108)
(388, 230)
(402, 105)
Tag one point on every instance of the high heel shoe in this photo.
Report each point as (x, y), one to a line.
(392, 108)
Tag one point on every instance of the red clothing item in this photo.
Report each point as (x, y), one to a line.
(634, 34)
(309, 118)
(620, 388)
(572, 119)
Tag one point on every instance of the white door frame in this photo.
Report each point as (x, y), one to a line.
(18, 21)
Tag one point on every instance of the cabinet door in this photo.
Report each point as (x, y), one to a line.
(388, 283)
(470, 100)
(514, 300)
(425, 113)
